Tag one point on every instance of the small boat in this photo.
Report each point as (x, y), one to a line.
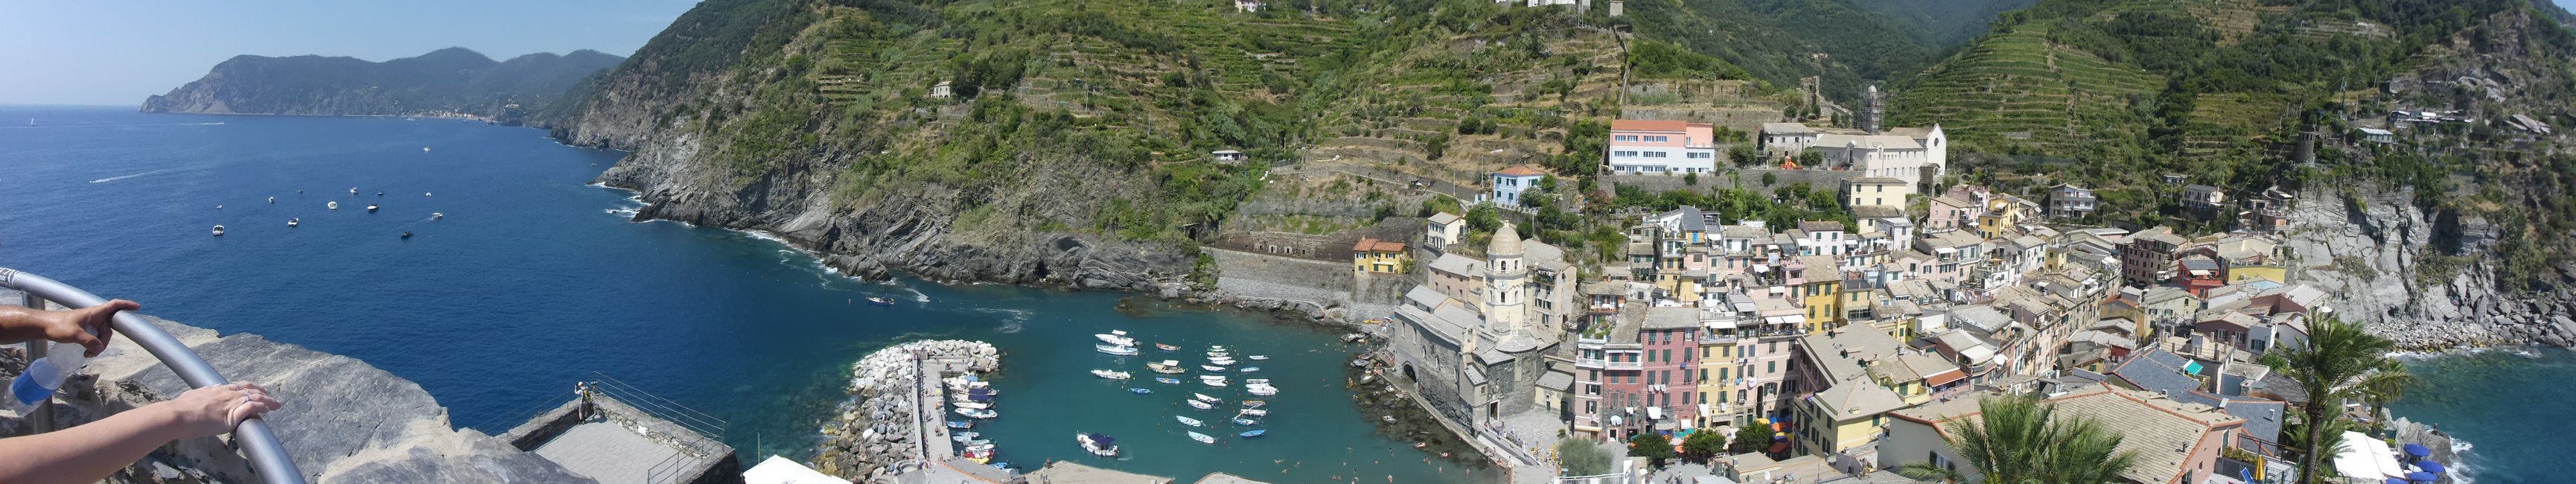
(1257, 381)
(979, 457)
(1258, 357)
(973, 405)
(1166, 347)
(406, 235)
(1116, 337)
(1167, 381)
(424, 149)
(1212, 368)
(294, 222)
(1254, 403)
(1116, 350)
(1256, 412)
(960, 424)
(219, 231)
(425, 194)
(1254, 434)
(332, 205)
(1140, 391)
(977, 413)
(1221, 361)
(962, 437)
(272, 199)
(1262, 390)
(1204, 398)
(880, 301)
(1214, 383)
(1386, 418)
(1246, 422)
(437, 215)
(219, 207)
(371, 208)
(353, 190)
(1200, 405)
(1202, 438)
(1099, 445)
(997, 465)
(1218, 354)
(380, 194)
(987, 446)
(1113, 375)
(1249, 369)
(1166, 366)
(1190, 421)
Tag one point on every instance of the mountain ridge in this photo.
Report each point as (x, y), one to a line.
(449, 81)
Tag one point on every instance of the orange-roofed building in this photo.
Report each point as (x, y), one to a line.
(1644, 147)
(1379, 256)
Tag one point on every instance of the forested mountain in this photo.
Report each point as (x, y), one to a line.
(451, 80)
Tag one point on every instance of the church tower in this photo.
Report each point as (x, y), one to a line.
(1506, 296)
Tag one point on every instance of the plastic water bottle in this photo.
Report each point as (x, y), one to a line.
(37, 385)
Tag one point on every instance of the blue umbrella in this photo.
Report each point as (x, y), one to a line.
(2421, 477)
(2431, 466)
(2394, 480)
(2418, 450)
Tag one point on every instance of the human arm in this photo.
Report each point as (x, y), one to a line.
(88, 327)
(91, 452)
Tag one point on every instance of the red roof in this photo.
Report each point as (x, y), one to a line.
(1647, 125)
(1375, 245)
(1945, 377)
(1521, 170)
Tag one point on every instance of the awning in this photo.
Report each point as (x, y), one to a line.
(1784, 319)
(1719, 324)
(2193, 368)
(2421, 477)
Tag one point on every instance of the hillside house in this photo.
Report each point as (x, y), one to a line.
(1442, 229)
(1509, 183)
(941, 91)
(1250, 6)
(2203, 197)
(1876, 192)
(1227, 156)
(1910, 154)
(1380, 256)
(2376, 135)
(2069, 201)
(1643, 147)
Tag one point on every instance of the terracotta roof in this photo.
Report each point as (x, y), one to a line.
(1521, 170)
(1647, 125)
(1375, 245)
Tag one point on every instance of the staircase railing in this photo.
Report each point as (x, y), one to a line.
(267, 455)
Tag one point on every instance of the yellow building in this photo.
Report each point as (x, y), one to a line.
(1380, 256)
(1822, 291)
(1846, 415)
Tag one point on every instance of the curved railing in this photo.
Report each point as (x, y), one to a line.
(259, 443)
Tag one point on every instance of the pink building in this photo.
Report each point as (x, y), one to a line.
(1669, 338)
(1642, 147)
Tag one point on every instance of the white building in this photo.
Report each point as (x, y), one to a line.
(1642, 147)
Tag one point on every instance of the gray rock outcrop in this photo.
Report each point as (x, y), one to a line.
(2367, 247)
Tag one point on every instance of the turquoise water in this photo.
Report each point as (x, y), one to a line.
(535, 280)
(2511, 406)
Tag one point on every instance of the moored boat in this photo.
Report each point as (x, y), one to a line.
(1255, 403)
(973, 404)
(1116, 337)
(1204, 398)
(1249, 369)
(962, 437)
(1202, 438)
(1167, 366)
(1096, 444)
(1262, 390)
(371, 208)
(1200, 405)
(1113, 375)
(1219, 382)
(1211, 368)
(1257, 381)
(1116, 350)
(880, 301)
(1246, 422)
(1167, 381)
(977, 413)
(332, 205)
(960, 424)
(1256, 412)
(219, 231)
(1140, 391)
(1221, 361)
(1189, 421)
(1258, 357)
(1254, 434)
(1166, 347)
(979, 457)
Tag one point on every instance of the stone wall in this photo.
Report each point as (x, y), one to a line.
(1748, 178)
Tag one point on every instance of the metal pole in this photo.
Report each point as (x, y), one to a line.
(259, 443)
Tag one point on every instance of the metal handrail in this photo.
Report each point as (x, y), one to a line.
(267, 455)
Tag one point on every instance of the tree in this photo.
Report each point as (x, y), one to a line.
(2338, 365)
(1702, 445)
(2019, 440)
(1656, 448)
(1691, 179)
(1750, 438)
(2385, 384)
(1579, 457)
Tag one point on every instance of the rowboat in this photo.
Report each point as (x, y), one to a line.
(1140, 391)
(1167, 381)
(959, 424)
(1116, 349)
(1257, 381)
(1221, 361)
(1113, 375)
(1204, 398)
(1167, 366)
(1254, 403)
(1246, 422)
(962, 437)
(1199, 405)
(980, 457)
(1190, 421)
(1220, 382)
(974, 405)
(1249, 369)
(1218, 354)
(1254, 434)
(1256, 412)
(1262, 390)
(1166, 347)
(1202, 438)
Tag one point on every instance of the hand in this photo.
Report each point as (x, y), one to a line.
(215, 410)
(89, 327)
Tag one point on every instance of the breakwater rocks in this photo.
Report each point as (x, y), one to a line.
(883, 424)
(2425, 279)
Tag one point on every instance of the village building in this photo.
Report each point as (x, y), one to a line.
(1876, 192)
(2066, 201)
(1478, 359)
(1509, 183)
(1380, 256)
(1442, 229)
(1643, 147)
(2175, 441)
(1914, 155)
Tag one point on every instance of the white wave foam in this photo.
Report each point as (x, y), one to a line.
(137, 175)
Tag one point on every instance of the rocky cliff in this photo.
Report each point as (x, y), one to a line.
(447, 81)
(345, 420)
(2421, 278)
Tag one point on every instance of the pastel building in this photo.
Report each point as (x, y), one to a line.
(1509, 183)
(1642, 147)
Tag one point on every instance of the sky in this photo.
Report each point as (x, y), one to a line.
(118, 52)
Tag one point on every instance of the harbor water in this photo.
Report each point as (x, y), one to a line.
(534, 280)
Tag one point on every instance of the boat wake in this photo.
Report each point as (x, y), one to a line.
(137, 175)
(1013, 320)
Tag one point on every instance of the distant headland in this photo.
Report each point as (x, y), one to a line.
(450, 82)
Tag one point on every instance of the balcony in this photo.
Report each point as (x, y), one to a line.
(1717, 340)
(1590, 363)
(1624, 365)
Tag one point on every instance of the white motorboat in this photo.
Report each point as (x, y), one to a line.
(437, 215)
(1204, 398)
(294, 222)
(1256, 412)
(219, 231)
(1212, 368)
(977, 413)
(1202, 438)
(371, 208)
(973, 404)
(1258, 357)
(332, 205)
(1262, 390)
(1257, 381)
(353, 190)
(1190, 421)
(1217, 354)
(1116, 350)
(965, 436)
(1200, 405)
(1116, 337)
(1167, 366)
(1113, 375)
(983, 447)
(1211, 377)
(1221, 361)
(1213, 383)
(1099, 445)
(272, 199)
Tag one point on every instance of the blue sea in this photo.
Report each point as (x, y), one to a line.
(535, 280)
(2510, 407)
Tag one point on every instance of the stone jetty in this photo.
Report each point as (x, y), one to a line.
(885, 429)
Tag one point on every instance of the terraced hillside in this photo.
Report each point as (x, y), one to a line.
(2019, 88)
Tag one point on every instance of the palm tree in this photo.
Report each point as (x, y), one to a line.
(2023, 441)
(2337, 365)
(2384, 384)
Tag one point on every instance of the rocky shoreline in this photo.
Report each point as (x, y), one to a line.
(2373, 250)
(877, 428)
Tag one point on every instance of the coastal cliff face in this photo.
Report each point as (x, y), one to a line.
(452, 81)
(2421, 279)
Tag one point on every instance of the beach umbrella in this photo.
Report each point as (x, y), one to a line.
(2418, 450)
(2394, 480)
(2420, 477)
(2431, 466)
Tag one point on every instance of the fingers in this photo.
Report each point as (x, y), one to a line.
(93, 344)
(251, 401)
